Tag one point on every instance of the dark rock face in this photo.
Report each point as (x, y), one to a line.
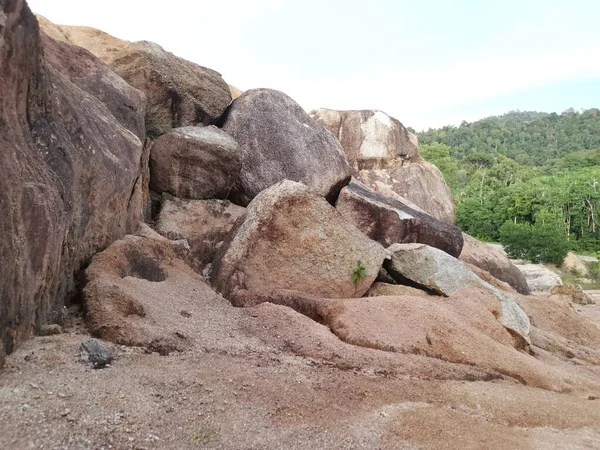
(69, 170)
(280, 141)
(96, 353)
(388, 220)
(495, 262)
(195, 162)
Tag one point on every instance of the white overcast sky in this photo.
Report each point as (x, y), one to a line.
(427, 63)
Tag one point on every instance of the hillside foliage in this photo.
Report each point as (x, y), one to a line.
(530, 168)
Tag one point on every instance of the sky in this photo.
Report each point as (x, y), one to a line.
(427, 63)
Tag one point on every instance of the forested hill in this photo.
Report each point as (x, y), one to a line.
(524, 167)
(530, 138)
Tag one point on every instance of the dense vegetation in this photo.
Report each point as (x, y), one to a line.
(530, 169)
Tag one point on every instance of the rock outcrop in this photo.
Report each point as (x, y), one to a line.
(384, 156)
(204, 224)
(291, 238)
(574, 265)
(390, 220)
(493, 261)
(574, 292)
(70, 167)
(432, 269)
(179, 93)
(540, 278)
(280, 141)
(195, 162)
(371, 139)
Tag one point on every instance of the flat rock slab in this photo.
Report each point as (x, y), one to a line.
(291, 238)
(389, 220)
(433, 269)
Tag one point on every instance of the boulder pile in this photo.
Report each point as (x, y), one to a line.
(321, 235)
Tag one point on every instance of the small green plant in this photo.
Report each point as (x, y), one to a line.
(358, 274)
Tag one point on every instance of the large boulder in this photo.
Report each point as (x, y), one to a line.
(371, 139)
(291, 238)
(418, 181)
(540, 278)
(390, 220)
(384, 156)
(70, 169)
(432, 269)
(494, 261)
(195, 162)
(204, 224)
(179, 92)
(280, 141)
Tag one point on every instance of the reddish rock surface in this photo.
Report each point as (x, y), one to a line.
(70, 169)
(291, 238)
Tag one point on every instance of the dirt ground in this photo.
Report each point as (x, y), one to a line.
(251, 387)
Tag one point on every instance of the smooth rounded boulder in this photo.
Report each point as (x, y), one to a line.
(280, 141)
(195, 163)
(370, 139)
(291, 238)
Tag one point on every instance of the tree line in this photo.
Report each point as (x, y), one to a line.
(528, 169)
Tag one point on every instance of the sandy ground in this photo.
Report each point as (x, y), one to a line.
(262, 396)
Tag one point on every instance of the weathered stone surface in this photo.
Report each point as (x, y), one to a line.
(140, 293)
(291, 238)
(462, 328)
(280, 141)
(539, 278)
(390, 220)
(179, 93)
(371, 139)
(127, 104)
(574, 292)
(430, 268)
(494, 261)
(384, 156)
(203, 223)
(420, 182)
(380, 289)
(574, 265)
(96, 353)
(69, 170)
(195, 162)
